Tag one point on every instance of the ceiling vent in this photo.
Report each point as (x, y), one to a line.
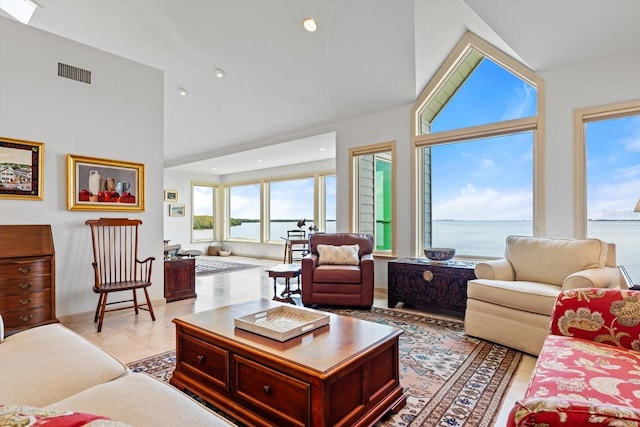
(74, 73)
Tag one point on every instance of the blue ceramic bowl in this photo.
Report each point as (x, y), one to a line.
(439, 254)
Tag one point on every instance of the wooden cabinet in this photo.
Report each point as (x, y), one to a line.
(418, 281)
(179, 279)
(27, 276)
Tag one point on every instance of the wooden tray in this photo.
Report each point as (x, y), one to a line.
(282, 323)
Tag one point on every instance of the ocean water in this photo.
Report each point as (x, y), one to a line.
(487, 238)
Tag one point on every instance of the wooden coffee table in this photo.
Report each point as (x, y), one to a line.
(344, 373)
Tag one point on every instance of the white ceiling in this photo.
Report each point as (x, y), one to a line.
(367, 56)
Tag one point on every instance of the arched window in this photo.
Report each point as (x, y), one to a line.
(478, 152)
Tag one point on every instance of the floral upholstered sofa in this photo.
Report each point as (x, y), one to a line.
(588, 372)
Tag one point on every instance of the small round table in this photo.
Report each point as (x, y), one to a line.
(287, 271)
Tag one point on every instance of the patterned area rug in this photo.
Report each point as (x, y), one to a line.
(450, 379)
(206, 268)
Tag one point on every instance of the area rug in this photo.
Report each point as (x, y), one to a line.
(206, 268)
(449, 379)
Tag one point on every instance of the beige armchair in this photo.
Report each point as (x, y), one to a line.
(511, 300)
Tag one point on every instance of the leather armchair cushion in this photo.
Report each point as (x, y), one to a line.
(339, 255)
(337, 274)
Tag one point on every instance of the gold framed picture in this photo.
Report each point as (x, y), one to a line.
(21, 169)
(104, 185)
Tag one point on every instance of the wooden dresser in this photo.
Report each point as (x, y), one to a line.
(27, 276)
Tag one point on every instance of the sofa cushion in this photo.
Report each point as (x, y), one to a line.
(338, 255)
(548, 260)
(142, 401)
(577, 381)
(524, 296)
(337, 274)
(42, 365)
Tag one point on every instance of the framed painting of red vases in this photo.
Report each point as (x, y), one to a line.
(104, 185)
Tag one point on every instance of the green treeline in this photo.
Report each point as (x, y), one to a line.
(205, 222)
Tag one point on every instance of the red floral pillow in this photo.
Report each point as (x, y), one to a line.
(609, 316)
(26, 416)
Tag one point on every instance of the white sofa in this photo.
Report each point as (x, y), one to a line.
(52, 368)
(511, 300)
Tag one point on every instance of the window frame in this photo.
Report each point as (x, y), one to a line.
(354, 206)
(216, 208)
(533, 124)
(581, 117)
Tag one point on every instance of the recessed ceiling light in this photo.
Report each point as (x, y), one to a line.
(182, 91)
(323, 149)
(219, 72)
(310, 24)
(214, 169)
(259, 160)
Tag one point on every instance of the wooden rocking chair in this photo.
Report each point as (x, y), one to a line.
(116, 264)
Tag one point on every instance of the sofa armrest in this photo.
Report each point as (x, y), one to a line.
(497, 269)
(609, 316)
(603, 277)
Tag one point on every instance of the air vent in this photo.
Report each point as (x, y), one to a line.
(74, 73)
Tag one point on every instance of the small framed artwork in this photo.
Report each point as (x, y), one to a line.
(104, 185)
(176, 210)
(21, 169)
(170, 196)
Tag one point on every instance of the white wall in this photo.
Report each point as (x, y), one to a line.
(119, 116)
(608, 80)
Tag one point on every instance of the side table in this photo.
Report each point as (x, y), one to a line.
(288, 271)
(418, 281)
(179, 279)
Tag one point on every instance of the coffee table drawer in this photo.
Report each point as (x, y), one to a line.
(208, 362)
(286, 398)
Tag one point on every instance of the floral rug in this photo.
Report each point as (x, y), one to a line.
(206, 268)
(450, 379)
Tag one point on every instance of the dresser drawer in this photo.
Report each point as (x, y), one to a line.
(287, 399)
(25, 301)
(21, 285)
(25, 267)
(209, 363)
(25, 317)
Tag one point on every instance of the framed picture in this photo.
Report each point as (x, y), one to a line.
(21, 169)
(170, 196)
(104, 185)
(176, 210)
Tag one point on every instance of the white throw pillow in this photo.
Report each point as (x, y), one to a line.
(341, 255)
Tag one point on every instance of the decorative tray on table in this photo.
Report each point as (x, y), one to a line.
(282, 323)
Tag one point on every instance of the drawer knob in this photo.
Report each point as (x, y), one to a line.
(200, 358)
(25, 318)
(26, 285)
(24, 270)
(26, 301)
(266, 389)
(427, 275)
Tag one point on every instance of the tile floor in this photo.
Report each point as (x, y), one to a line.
(130, 338)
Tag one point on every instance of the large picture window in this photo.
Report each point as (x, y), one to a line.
(203, 218)
(244, 212)
(608, 158)
(290, 201)
(477, 145)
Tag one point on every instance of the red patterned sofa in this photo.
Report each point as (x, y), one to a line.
(588, 372)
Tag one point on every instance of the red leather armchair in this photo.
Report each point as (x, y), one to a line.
(338, 284)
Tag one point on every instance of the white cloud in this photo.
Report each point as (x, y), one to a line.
(472, 203)
(519, 102)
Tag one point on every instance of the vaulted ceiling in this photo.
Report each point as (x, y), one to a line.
(367, 56)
